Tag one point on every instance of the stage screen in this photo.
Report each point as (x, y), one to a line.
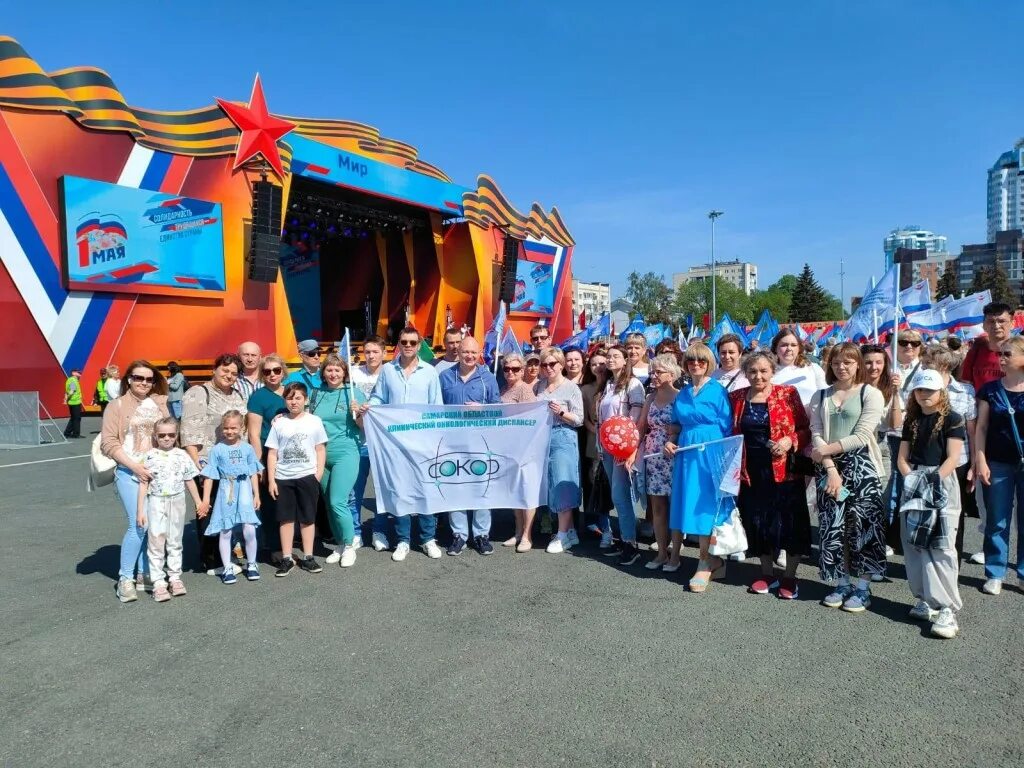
(128, 240)
(535, 288)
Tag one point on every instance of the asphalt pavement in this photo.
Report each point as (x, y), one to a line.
(509, 660)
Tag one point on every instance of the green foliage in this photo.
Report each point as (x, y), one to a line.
(776, 300)
(995, 280)
(650, 297)
(695, 297)
(810, 302)
(948, 284)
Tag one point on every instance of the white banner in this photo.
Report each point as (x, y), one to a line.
(444, 458)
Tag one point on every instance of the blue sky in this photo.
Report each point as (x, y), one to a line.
(816, 126)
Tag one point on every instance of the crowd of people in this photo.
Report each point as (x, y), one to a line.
(888, 449)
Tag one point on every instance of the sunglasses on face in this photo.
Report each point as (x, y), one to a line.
(163, 435)
(141, 379)
(538, 338)
(909, 343)
(314, 353)
(512, 369)
(407, 343)
(696, 362)
(551, 364)
(272, 371)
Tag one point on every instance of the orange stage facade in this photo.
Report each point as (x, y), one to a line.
(127, 233)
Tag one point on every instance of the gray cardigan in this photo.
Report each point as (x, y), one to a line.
(873, 403)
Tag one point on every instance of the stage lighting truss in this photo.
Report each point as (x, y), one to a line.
(315, 219)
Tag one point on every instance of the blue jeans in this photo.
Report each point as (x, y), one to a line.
(403, 528)
(459, 522)
(175, 409)
(1007, 484)
(355, 499)
(622, 496)
(133, 544)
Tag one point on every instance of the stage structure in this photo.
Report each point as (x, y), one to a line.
(128, 232)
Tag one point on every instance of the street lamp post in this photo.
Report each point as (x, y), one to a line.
(714, 288)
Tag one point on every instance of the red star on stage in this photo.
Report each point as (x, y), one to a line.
(260, 130)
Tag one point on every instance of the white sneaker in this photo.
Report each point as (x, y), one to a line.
(357, 542)
(571, 539)
(945, 625)
(432, 550)
(923, 612)
(380, 542)
(334, 557)
(978, 558)
(219, 571)
(348, 557)
(606, 540)
(557, 545)
(992, 587)
(889, 551)
(401, 551)
(780, 561)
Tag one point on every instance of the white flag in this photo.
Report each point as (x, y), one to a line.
(444, 458)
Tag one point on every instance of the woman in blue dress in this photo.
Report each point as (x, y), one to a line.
(701, 409)
(232, 463)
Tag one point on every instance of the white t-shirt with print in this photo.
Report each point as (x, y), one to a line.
(171, 469)
(295, 441)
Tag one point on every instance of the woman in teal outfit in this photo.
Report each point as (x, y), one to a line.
(334, 403)
(701, 409)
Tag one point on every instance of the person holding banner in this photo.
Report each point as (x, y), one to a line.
(623, 396)
(566, 405)
(469, 383)
(794, 368)
(772, 500)
(364, 377)
(701, 410)
(408, 379)
(851, 519)
(337, 404)
(517, 391)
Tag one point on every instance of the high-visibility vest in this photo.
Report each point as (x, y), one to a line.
(73, 391)
(101, 392)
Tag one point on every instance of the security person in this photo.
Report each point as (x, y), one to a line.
(73, 398)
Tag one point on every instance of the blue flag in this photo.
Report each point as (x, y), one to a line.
(637, 326)
(345, 349)
(654, 334)
(495, 333)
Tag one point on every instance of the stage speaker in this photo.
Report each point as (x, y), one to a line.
(508, 269)
(265, 240)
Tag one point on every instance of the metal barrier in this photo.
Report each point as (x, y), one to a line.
(25, 422)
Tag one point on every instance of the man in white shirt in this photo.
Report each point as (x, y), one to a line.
(364, 377)
(407, 379)
(248, 380)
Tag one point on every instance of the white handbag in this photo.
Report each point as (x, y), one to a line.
(728, 537)
(101, 468)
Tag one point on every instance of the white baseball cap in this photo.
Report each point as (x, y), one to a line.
(928, 379)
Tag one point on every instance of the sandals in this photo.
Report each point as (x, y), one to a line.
(699, 582)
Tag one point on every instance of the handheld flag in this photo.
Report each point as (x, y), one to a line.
(345, 348)
(637, 326)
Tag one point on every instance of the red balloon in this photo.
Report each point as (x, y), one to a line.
(619, 437)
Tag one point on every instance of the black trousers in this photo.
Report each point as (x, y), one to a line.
(968, 508)
(74, 427)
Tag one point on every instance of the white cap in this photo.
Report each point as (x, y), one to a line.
(927, 379)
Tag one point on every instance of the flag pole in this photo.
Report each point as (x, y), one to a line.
(896, 314)
(348, 335)
(498, 336)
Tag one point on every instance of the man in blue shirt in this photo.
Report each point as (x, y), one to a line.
(309, 373)
(469, 383)
(408, 379)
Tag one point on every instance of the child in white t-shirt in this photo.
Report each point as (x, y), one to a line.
(161, 506)
(295, 463)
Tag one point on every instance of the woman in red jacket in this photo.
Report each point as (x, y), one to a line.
(772, 500)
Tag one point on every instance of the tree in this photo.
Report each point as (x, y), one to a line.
(776, 300)
(948, 284)
(650, 297)
(694, 297)
(810, 302)
(995, 279)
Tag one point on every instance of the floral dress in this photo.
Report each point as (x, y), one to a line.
(659, 467)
